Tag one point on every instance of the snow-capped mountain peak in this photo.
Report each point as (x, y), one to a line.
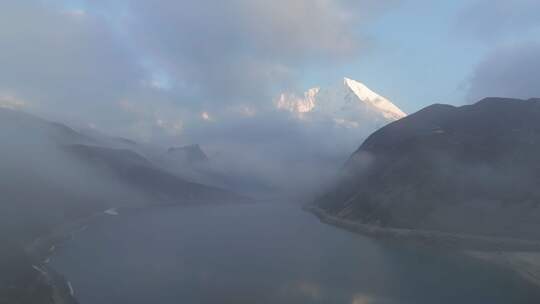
(387, 108)
(349, 104)
(299, 105)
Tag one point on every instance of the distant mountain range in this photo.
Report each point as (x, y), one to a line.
(158, 185)
(188, 154)
(349, 104)
(470, 169)
(51, 173)
(127, 166)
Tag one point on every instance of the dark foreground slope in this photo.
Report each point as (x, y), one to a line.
(473, 169)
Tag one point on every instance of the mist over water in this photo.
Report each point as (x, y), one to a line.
(264, 253)
(113, 112)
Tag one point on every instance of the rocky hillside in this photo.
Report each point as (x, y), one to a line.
(471, 169)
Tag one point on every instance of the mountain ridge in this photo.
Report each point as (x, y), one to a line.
(349, 104)
(469, 169)
(188, 154)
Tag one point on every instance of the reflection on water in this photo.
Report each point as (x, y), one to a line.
(264, 253)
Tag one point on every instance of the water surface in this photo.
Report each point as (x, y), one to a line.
(264, 253)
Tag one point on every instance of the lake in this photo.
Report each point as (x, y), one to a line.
(264, 253)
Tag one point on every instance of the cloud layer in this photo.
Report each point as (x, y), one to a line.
(510, 31)
(223, 52)
(512, 71)
(62, 64)
(181, 72)
(496, 20)
(148, 68)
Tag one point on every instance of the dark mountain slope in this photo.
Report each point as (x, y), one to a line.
(16, 124)
(188, 154)
(136, 171)
(470, 169)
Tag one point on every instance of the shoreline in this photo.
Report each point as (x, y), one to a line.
(525, 264)
(428, 237)
(521, 257)
(42, 248)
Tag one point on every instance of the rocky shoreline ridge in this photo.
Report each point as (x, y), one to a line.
(519, 256)
(42, 248)
(526, 264)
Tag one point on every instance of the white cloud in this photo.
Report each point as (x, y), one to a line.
(75, 13)
(11, 102)
(206, 116)
(248, 111)
(238, 51)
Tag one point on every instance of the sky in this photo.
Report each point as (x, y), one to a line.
(195, 71)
